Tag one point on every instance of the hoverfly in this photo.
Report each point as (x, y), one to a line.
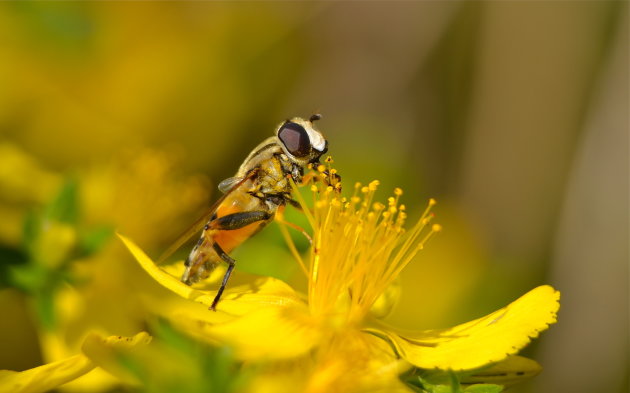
(251, 198)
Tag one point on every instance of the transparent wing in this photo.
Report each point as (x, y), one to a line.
(227, 184)
(201, 221)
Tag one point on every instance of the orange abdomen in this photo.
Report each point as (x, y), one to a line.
(228, 240)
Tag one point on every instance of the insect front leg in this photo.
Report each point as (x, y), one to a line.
(280, 220)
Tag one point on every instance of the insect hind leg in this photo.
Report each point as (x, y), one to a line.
(239, 220)
(202, 260)
(231, 263)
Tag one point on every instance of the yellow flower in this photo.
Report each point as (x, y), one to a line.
(359, 247)
(94, 288)
(134, 192)
(97, 351)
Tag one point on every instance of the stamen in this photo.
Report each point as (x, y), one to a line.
(359, 246)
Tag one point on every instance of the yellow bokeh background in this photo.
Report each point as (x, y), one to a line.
(513, 115)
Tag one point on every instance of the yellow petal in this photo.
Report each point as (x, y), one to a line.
(107, 351)
(480, 342)
(267, 333)
(236, 300)
(509, 372)
(46, 377)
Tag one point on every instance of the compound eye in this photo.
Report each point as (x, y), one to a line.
(295, 139)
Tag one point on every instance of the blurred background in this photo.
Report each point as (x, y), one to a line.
(513, 115)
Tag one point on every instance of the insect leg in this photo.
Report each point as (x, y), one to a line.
(227, 223)
(231, 263)
(294, 203)
(280, 219)
(238, 220)
(310, 176)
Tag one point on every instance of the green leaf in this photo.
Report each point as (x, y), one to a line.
(92, 241)
(64, 207)
(484, 388)
(31, 229)
(29, 278)
(45, 308)
(425, 386)
(9, 258)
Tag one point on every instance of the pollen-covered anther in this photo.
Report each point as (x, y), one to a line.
(400, 220)
(321, 168)
(314, 188)
(377, 206)
(365, 190)
(398, 191)
(329, 160)
(374, 185)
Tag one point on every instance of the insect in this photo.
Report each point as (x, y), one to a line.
(251, 198)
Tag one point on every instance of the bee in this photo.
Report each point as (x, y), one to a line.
(251, 198)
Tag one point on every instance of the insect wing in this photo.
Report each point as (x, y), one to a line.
(226, 185)
(201, 221)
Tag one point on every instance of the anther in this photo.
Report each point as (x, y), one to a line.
(378, 206)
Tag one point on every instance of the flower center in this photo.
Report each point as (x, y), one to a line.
(359, 247)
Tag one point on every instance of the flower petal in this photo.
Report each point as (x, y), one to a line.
(106, 351)
(236, 300)
(513, 370)
(480, 342)
(267, 333)
(46, 377)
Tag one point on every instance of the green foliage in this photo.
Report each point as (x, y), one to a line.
(64, 207)
(426, 381)
(92, 240)
(484, 388)
(180, 364)
(9, 258)
(52, 239)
